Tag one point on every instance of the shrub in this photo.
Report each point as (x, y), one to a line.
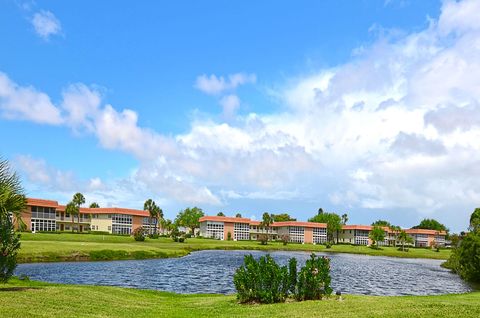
(229, 236)
(188, 235)
(9, 246)
(328, 244)
(100, 232)
(263, 238)
(154, 236)
(181, 239)
(139, 234)
(262, 281)
(285, 238)
(314, 279)
(292, 274)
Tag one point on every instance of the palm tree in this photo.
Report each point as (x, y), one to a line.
(78, 200)
(396, 232)
(12, 197)
(344, 218)
(155, 212)
(266, 221)
(94, 205)
(73, 210)
(238, 215)
(404, 238)
(220, 214)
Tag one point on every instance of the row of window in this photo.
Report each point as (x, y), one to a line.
(39, 212)
(121, 219)
(241, 231)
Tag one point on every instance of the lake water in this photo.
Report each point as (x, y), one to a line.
(212, 272)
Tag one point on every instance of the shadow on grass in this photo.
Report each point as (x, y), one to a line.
(14, 289)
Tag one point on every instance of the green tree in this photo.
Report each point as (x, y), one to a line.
(267, 220)
(155, 212)
(73, 210)
(78, 200)
(377, 234)
(381, 223)
(238, 215)
(12, 203)
(94, 205)
(283, 217)
(431, 224)
(220, 214)
(334, 223)
(189, 218)
(344, 218)
(320, 211)
(404, 238)
(467, 256)
(475, 220)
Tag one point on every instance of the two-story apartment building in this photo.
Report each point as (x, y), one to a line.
(218, 227)
(48, 215)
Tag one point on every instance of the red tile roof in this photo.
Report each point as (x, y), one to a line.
(425, 231)
(299, 223)
(357, 227)
(227, 219)
(42, 202)
(61, 208)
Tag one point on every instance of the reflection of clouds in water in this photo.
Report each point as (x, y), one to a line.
(212, 272)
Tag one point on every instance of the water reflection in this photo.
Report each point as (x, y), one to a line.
(212, 272)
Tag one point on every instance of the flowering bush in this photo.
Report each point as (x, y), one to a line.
(314, 279)
(139, 234)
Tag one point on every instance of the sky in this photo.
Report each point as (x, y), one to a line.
(369, 108)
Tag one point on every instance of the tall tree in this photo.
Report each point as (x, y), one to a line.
(475, 220)
(404, 238)
(381, 223)
(220, 214)
(267, 220)
(334, 224)
(78, 200)
(189, 218)
(344, 218)
(238, 215)
(94, 205)
(73, 210)
(377, 234)
(282, 217)
(12, 203)
(320, 211)
(155, 212)
(431, 224)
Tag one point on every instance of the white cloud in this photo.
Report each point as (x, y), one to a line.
(395, 128)
(17, 102)
(214, 85)
(46, 24)
(230, 104)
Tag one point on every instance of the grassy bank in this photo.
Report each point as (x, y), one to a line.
(35, 299)
(71, 247)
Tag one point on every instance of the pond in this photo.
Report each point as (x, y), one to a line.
(212, 272)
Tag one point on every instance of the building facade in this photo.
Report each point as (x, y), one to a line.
(47, 216)
(219, 227)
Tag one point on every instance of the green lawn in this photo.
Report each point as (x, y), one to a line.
(42, 247)
(35, 299)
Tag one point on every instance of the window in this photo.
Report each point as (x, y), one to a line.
(361, 237)
(121, 224)
(43, 219)
(297, 234)
(319, 235)
(215, 230)
(241, 231)
(109, 228)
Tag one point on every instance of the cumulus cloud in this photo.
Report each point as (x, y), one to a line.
(25, 102)
(46, 24)
(230, 104)
(394, 128)
(214, 85)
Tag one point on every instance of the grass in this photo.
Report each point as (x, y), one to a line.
(36, 299)
(43, 247)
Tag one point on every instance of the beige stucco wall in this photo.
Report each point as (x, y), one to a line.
(346, 236)
(103, 223)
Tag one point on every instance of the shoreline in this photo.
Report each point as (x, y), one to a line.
(46, 248)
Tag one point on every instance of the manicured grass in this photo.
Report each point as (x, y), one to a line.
(42, 247)
(35, 299)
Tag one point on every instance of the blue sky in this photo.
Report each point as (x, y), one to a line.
(246, 106)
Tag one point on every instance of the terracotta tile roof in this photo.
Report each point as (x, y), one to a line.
(84, 210)
(42, 202)
(299, 223)
(227, 219)
(425, 231)
(357, 227)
